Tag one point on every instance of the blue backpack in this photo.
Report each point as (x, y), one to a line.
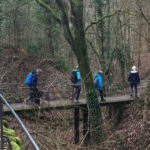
(28, 79)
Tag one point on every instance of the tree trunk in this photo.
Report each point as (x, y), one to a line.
(78, 44)
(84, 65)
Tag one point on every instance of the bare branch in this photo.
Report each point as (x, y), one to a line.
(47, 7)
(146, 39)
(143, 15)
(65, 24)
(99, 20)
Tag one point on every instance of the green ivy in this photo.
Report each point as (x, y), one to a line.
(15, 141)
(94, 109)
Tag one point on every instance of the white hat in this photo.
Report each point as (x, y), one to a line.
(77, 66)
(133, 68)
(100, 72)
(38, 70)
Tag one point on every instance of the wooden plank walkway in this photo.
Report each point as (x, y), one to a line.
(66, 104)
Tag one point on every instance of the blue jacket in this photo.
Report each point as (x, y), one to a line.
(99, 81)
(32, 80)
(78, 77)
(134, 77)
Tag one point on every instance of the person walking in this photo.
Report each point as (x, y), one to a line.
(134, 80)
(31, 81)
(76, 83)
(99, 84)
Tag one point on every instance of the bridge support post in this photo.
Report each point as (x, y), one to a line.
(86, 133)
(116, 112)
(76, 125)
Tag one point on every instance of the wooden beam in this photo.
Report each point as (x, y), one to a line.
(86, 134)
(68, 104)
(76, 125)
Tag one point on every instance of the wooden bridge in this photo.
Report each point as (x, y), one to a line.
(67, 104)
(114, 104)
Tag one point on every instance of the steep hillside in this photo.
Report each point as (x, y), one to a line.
(16, 66)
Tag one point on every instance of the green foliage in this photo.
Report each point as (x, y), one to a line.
(15, 146)
(35, 48)
(15, 141)
(5, 123)
(49, 24)
(7, 131)
(63, 63)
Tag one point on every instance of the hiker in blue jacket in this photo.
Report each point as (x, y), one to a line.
(134, 80)
(99, 84)
(76, 83)
(31, 81)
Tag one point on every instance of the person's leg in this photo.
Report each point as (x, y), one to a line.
(32, 95)
(101, 94)
(131, 89)
(136, 90)
(78, 89)
(73, 93)
(29, 96)
(36, 95)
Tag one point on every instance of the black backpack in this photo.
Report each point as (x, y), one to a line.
(74, 78)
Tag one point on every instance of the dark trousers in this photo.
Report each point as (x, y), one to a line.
(76, 92)
(101, 94)
(133, 85)
(35, 95)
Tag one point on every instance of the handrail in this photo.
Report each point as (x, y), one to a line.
(20, 122)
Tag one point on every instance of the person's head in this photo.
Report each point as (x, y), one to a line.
(133, 68)
(100, 72)
(77, 67)
(38, 71)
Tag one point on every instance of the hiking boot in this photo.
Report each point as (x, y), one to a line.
(71, 98)
(76, 101)
(103, 100)
(37, 101)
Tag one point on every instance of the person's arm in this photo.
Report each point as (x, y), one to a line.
(101, 85)
(129, 77)
(34, 81)
(78, 76)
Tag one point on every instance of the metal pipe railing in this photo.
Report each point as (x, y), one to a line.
(2, 99)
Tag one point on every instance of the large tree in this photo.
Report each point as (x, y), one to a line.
(75, 35)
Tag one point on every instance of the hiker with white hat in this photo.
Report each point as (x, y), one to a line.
(134, 80)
